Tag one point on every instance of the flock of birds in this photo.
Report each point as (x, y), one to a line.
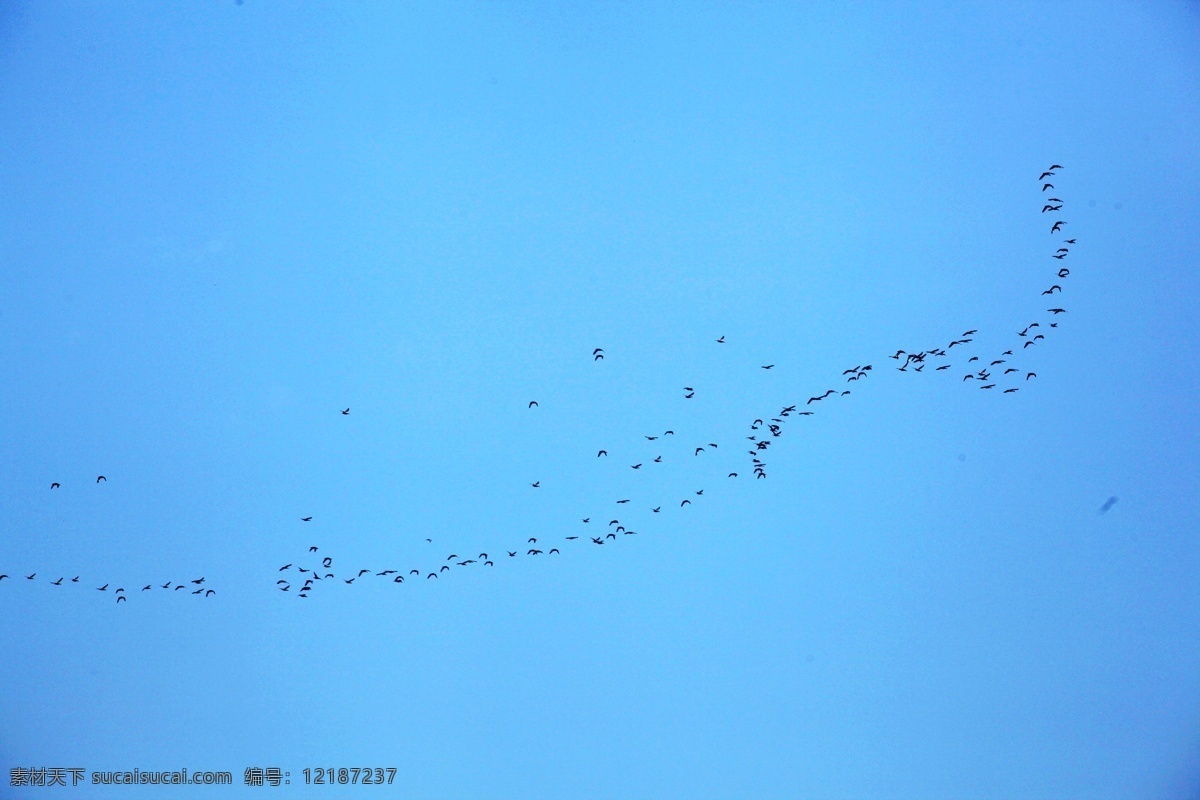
(1000, 371)
(987, 372)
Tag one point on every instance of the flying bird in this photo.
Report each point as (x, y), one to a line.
(1058, 226)
(1107, 505)
(601, 453)
(345, 411)
(101, 478)
(1031, 375)
(721, 340)
(1046, 186)
(306, 519)
(536, 484)
(532, 403)
(54, 486)
(768, 366)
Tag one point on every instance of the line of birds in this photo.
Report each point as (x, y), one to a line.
(196, 587)
(761, 435)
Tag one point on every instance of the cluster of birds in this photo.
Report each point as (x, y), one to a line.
(989, 373)
(999, 371)
(193, 586)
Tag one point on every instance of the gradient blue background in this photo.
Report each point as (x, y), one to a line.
(221, 224)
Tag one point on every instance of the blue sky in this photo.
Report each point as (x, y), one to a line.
(223, 224)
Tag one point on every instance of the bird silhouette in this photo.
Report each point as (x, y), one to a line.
(306, 519)
(532, 403)
(345, 411)
(101, 478)
(536, 484)
(1057, 226)
(721, 340)
(601, 453)
(54, 486)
